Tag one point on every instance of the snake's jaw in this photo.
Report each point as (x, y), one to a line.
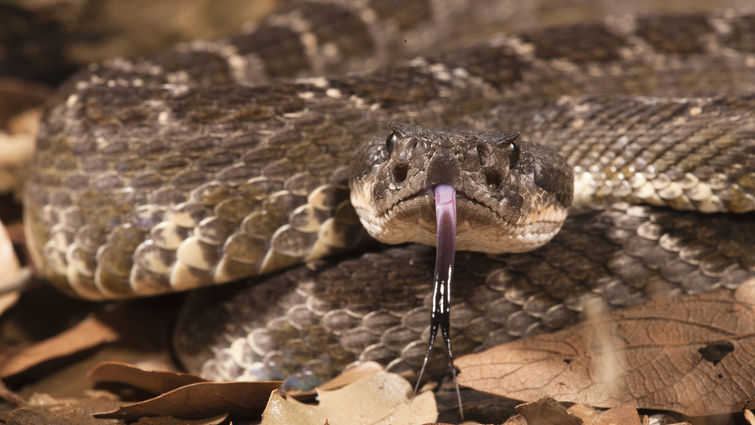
(512, 196)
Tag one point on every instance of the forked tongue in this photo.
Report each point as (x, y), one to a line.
(445, 215)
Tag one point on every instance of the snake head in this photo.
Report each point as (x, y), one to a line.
(512, 195)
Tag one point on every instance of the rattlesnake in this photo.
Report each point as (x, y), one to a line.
(172, 173)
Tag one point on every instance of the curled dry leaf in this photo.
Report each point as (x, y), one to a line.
(585, 413)
(167, 420)
(88, 333)
(201, 400)
(351, 375)
(516, 420)
(8, 300)
(626, 415)
(380, 398)
(345, 378)
(10, 267)
(749, 417)
(153, 381)
(9, 396)
(546, 411)
(691, 354)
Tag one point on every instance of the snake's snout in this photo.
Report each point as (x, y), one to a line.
(442, 169)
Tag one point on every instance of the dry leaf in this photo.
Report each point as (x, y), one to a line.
(8, 261)
(201, 400)
(9, 396)
(585, 413)
(546, 411)
(381, 398)
(625, 415)
(345, 378)
(167, 420)
(88, 333)
(516, 420)
(749, 417)
(155, 382)
(11, 270)
(691, 354)
(8, 300)
(43, 409)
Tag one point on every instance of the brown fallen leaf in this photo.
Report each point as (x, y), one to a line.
(44, 409)
(345, 378)
(749, 417)
(624, 415)
(516, 420)
(201, 400)
(546, 411)
(88, 333)
(152, 381)
(9, 396)
(585, 413)
(11, 269)
(691, 354)
(380, 398)
(167, 420)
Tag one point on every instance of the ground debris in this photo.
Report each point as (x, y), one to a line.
(690, 354)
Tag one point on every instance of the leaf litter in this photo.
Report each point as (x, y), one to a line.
(362, 395)
(86, 334)
(379, 398)
(200, 400)
(154, 381)
(190, 402)
(547, 411)
(11, 269)
(692, 354)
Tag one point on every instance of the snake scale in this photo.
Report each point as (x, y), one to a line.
(184, 170)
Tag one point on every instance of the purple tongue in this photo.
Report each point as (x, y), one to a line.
(445, 214)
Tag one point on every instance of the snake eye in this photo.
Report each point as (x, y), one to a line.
(510, 142)
(514, 153)
(390, 141)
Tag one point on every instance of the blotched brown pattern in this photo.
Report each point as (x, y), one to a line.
(206, 178)
(182, 170)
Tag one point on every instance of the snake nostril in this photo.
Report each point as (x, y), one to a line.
(399, 172)
(492, 178)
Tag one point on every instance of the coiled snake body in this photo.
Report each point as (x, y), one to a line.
(173, 172)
